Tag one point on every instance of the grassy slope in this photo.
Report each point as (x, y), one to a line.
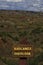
(14, 25)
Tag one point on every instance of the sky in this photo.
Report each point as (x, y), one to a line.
(30, 5)
(14, 0)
